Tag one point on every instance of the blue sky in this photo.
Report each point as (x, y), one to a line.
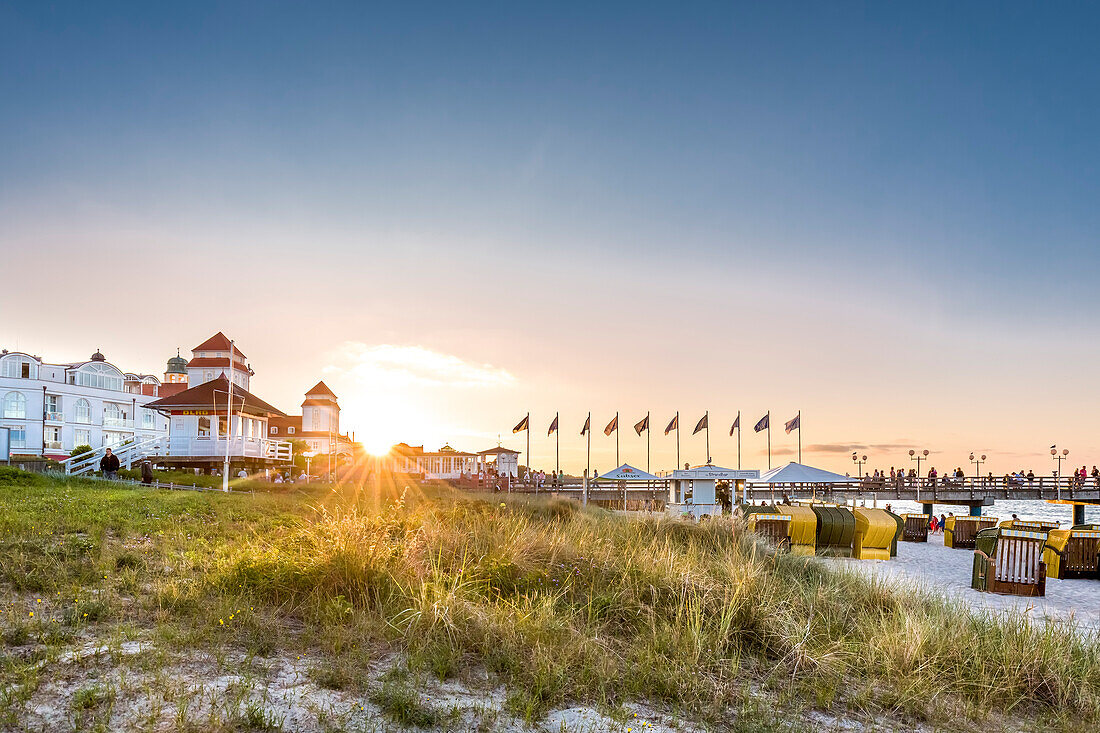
(853, 176)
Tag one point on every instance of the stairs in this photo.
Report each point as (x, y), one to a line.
(128, 454)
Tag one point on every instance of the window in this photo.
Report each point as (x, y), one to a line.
(51, 438)
(83, 411)
(223, 426)
(102, 376)
(18, 368)
(316, 419)
(112, 439)
(204, 427)
(113, 416)
(290, 431)
(15, 405)
(53, 407)
(82, 437)
(19, 437)
(148, 418)
(274, 431)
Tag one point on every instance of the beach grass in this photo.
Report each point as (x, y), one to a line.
(555, 603)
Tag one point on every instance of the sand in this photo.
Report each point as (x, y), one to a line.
(932, 567)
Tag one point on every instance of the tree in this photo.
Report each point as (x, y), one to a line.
(80, 449)
(297, 449)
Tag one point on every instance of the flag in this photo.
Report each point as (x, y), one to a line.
(642, 425)
(764, 423)
(736, 425)
(553, 426)
(701, 425)
(673, 424)
(792, 424)
(612, 426)
(587, 425)
(523, 424)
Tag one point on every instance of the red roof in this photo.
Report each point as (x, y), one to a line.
(321, 388)
(171, 388)
(213, 395)
(205, 361)
(322, 403)
(218, 342)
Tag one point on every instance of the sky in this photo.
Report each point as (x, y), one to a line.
(882, 215)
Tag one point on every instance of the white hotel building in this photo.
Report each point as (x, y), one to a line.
(51, 408)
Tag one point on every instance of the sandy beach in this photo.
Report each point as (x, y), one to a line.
(929, 566)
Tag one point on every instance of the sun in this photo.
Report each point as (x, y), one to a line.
(376, 445)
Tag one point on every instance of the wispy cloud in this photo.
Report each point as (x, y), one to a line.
(849, 447)
(414, 365)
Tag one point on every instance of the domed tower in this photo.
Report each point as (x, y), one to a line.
(98, 356)
(177, 370)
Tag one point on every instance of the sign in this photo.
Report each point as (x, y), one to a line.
(195, 412)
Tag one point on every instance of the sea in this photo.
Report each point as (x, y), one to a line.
(1003, 509)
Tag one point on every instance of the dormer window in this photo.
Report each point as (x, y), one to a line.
(290, 431)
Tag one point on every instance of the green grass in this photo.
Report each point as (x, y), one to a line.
(560, 605)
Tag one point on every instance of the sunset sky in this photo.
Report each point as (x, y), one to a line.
(884, 217)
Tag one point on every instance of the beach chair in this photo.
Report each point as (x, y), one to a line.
(897, 534)
(961, 532)
(1010, 561)
(1028, 525)
(836, 529)
(1073, 553)
(916, 528)
(875, 531)
(773, 527)
(803, 529)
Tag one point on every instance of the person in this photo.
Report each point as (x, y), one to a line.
(888, 507)
(242, 473)
(109, 465)
(1030, 475)
(278, 478)
(943, 522)
(146, 472)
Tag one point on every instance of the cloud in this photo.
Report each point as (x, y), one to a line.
(850, 447)
(414, 365)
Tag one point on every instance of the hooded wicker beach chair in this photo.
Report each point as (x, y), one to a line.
(1010, 561)
(836, 529)
(773, 526)
(960, 532)
(803, 529)
(1074, 552)
(875, 532)
(916, 527)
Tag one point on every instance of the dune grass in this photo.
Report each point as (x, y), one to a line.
(559, 605)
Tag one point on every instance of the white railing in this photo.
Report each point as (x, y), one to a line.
(127, 453)
(55, 416)
(275, 450)
(118, 422)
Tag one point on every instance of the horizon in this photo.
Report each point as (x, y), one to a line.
(881, 217)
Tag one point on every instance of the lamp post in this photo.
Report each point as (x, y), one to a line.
(308, 455)
(977, 464)
(918, 457)
(859, 461)
(1059, 458)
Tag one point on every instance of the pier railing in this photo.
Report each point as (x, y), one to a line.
(950, 490)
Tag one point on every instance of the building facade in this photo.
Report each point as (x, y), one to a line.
(448, 463)
(318, 425)
(51, 408)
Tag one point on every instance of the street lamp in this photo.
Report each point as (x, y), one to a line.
(1058, 458)
(859, 461)
(308, 455)
(977, 464)
(918, 457)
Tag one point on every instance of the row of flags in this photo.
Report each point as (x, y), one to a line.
(642, 425)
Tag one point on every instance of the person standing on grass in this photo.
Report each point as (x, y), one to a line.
(109, 465)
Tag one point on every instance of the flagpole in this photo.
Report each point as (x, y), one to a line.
(800, 436)
(617, 464)
(738, 440)
(769, 439)
(528, 455)
(557, 447)
(588, 454)
(677, 440)
(647, 433)
(707, 418)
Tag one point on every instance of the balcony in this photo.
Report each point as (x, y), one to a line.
(55, 416)
(118, 422)
(53, 445)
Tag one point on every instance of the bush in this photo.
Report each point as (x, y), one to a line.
(80, 449)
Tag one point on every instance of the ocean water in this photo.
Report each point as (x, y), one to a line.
(1004, 509)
